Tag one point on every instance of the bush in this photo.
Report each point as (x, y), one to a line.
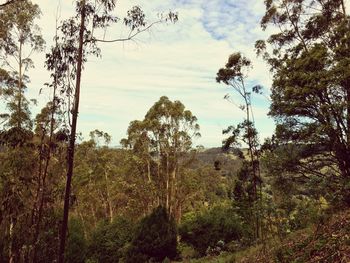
(206, 229)
(76, 243)
(155, 238)
(109, 240)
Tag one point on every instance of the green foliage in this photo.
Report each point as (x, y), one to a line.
(76, 243)
(234, 75)
(210, 226)
(155, 238)
(109, 240)
(162, 143)
(310, 91)
(18, 32)
(306, 212)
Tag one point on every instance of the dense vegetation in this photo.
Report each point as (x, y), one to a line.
(159, 198)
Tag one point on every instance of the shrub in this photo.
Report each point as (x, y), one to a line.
(109, 240)
(206, 229)
(306, 212)
(76, 243)
(155, 238)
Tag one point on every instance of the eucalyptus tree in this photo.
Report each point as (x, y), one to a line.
(309, 58)
(77, 41)
(164, 138)
(19, 38)
(234, 74)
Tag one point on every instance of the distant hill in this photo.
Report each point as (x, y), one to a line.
(225, 162)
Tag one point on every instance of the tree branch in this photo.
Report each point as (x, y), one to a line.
(8, 3)
(131, 36)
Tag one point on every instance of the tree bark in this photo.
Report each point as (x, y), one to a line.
(72, 138)
(109, 201)
(19, 124)
(11, 254)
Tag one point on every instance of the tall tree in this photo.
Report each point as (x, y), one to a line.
(78, 40)
(19, 38)
(234, 74)
(309, 58)
(164, 141)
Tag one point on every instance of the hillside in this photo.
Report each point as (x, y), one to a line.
(327, 242)
(225, 162)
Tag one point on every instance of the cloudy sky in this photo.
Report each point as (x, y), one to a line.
(179, 61)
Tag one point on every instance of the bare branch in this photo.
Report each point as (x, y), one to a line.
(8, 3)
(131, 36)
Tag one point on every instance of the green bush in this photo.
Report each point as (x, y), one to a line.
(306, 211)
(155, 238)
(76, 243)
(206, 229)
(109, 240)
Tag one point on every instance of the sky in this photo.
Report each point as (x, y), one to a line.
(178, 60)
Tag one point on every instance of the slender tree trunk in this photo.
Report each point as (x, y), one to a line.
(343, 8)
(47, 162)
(11, 254)
(149, 171)
(159, 192)
(37, 194)
(109, 201)
(19, 124)
(173, 193)
(347, 159)
(252, 156)
(7, 3)
(71, 146)
(83, 222)
(167, 184)
(179, 215)
(93, 212)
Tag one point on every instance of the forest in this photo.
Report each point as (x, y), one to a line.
(159, 197)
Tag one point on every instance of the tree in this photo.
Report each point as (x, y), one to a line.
(110, 240)
(234, 74)
(164, 141)
(155, 238)
(309, 58)
(79, 40)
(19, 38)
(205, 229)
(101, 181)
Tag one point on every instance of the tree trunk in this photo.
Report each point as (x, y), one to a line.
(47, 162)
(109, 201)
(167, 184)
(71, 147)
(11, 254)
(19, 124)
(149, 171)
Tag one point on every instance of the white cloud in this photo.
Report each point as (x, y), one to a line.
(179, 61)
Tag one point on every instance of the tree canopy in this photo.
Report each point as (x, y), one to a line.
(309, 58)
